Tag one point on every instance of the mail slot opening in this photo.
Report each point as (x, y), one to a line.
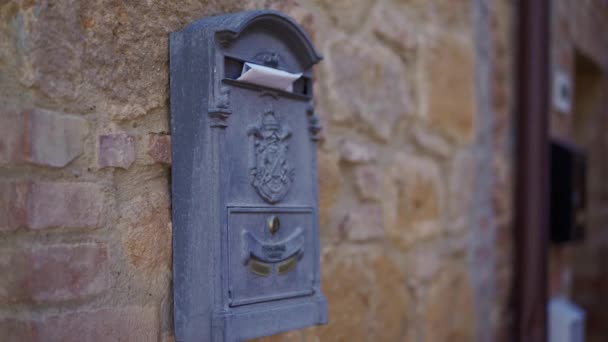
(240, 71)
(302, 86)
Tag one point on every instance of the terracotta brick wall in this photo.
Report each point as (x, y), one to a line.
(415, 167)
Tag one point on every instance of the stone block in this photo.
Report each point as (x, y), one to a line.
(41, 137)
(412, 203)
(461, 191)
(391, 300)
(12, 205)
(367, 80)
(363, 222)
(354, 152)
(116, 150)
(330, 185)
(132, 323)
(67, 205)
(65, 272)
(368, 179)
(159, 148)
(450, 98)
(54, 273)
(346, 14)
(451, 290)
(56, 139)
(347, 287)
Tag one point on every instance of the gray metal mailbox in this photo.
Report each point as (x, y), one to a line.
(244, 178)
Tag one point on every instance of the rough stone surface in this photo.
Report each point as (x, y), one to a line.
(347, 287)
(347, 14)
(353, 152)
(393, 26)
(363, 222)
(413, 207)
(116, 150)
(452, 291)
(369, 182)
(451, 82)
(353, 64)
(460, 193)
(330, 183)
(391, 301)
(147, 240)
(69, 205)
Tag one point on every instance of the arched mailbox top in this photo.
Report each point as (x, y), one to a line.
(229, 28)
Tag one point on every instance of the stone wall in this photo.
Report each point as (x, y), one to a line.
(579, 50)
(415, 167)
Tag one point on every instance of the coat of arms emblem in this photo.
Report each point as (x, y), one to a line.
(271, 172)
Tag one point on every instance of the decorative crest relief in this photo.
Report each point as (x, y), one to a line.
(271, 173)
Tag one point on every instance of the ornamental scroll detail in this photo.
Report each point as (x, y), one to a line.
(271, 173)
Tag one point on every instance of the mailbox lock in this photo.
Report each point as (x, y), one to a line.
(273, 224)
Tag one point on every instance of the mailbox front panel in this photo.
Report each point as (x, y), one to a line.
(244, 178)
(275, 254)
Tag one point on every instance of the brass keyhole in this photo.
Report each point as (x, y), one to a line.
(273, 224)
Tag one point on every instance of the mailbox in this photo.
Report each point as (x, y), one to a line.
(244, 178)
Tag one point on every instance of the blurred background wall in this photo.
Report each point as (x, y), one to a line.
(415, 167)
(578, 270)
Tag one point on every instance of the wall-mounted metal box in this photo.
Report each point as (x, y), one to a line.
(244, 178)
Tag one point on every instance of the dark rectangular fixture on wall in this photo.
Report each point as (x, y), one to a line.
(568, 192)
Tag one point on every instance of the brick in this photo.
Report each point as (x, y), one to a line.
(116, 150)
(132, 323)
(14, 330)
(56, 139)
(41, 137)
(159, 148)
(12, 138)
(15, 269)
(363, 222)
(368, 179)
(53, 273)
(68, 205)
(12, 205)
(65, 272)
